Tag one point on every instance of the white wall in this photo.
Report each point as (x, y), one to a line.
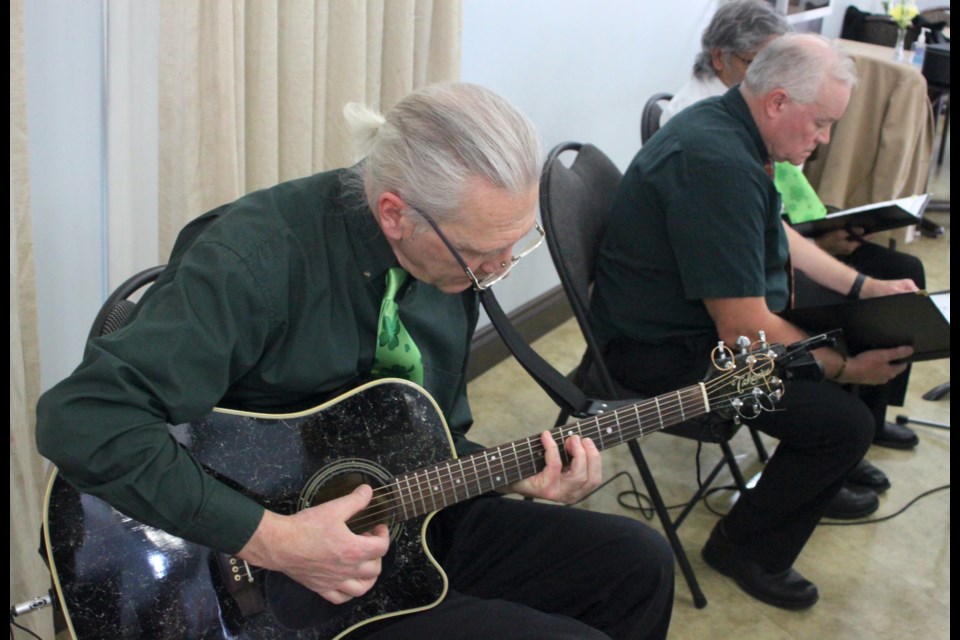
(66, 136)
(581, 70)
(94, 220)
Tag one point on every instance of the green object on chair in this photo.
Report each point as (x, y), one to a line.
(800, 201)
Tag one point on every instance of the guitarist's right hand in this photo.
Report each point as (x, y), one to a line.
(317, 549)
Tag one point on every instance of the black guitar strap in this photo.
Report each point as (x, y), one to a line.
(563, 392)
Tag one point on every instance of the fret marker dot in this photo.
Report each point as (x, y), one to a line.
(609, 430)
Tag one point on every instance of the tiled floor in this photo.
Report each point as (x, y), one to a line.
(877, 579)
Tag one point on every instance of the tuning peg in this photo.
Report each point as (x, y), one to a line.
(763, 340)
(743, 343)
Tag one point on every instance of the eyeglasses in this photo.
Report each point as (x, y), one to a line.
(499, 274)
(746, 61)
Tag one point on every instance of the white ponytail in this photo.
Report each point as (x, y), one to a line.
(363, 124)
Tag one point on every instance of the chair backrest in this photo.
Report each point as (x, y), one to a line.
(883, 31)
(650, 119)
(575, 202)
(873, 28)
(118, 306)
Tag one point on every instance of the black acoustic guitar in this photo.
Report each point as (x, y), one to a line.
(118, 578)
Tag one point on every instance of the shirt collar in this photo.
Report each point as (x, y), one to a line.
(371, 249)
(737, 107)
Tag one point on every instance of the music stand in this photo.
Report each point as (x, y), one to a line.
(901, 419)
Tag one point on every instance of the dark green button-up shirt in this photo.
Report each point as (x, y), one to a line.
(696, 216)
(269, 304)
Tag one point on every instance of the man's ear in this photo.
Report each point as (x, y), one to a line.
(390, 208)
(717, 60)
(775, 102)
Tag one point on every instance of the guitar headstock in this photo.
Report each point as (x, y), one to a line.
(751, 381)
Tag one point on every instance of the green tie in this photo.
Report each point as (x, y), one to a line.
(799, 198)
(397, 356)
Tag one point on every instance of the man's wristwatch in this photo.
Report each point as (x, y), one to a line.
(857, 286)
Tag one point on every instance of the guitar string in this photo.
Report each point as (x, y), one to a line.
(536, 450)
(497, 467)
(535, 453)
(479, 465)
(485, 464)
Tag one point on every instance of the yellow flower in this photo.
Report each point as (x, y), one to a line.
(903, 14)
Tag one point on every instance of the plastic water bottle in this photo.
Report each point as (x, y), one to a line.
(920, 48)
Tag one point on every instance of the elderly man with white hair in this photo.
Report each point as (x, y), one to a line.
(697, 252)
(738, 31)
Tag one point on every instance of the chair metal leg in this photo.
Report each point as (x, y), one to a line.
(699, 600)
(731, 461)
(761, 450)
(946, 129)
(901, 419)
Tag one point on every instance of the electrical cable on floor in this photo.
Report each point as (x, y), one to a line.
(892, 515)
(649, 512)
(22, 628)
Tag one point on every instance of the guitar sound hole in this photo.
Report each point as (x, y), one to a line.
(295, 606)
(340, 479)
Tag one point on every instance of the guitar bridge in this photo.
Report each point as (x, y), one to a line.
(241, 584)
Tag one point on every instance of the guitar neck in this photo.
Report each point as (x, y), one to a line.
(426, 490)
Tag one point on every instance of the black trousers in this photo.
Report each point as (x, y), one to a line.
(520, 569)
(823, 432)
(882, 263)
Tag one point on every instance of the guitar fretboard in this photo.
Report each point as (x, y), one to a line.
(426, 490)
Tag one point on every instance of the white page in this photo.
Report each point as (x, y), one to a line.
(942, 300)
(913, 205)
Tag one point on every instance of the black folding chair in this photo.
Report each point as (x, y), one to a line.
(650, 118)
(574, 203)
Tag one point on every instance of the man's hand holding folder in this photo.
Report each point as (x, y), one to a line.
(873, 324)
(871, 218)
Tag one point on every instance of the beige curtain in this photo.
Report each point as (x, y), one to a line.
(251, 91)
(250, 95)
(28, 576)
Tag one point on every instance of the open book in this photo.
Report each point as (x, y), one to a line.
(919, 319)
(871, 218)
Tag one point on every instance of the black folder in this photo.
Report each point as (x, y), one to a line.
(913, 319)
(882, 216)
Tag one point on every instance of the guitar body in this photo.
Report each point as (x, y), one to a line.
(117, 578)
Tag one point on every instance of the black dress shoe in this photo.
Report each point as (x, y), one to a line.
(867, 475)
(852, 502)
(785, 589)
(895, 436)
